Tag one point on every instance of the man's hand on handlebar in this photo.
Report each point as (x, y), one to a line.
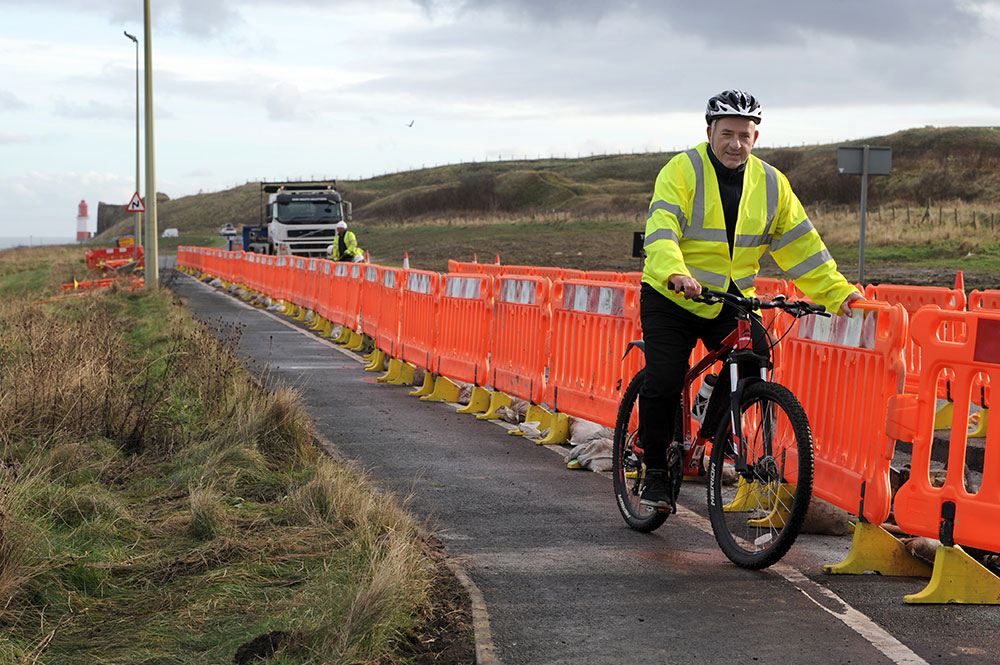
(684, 284)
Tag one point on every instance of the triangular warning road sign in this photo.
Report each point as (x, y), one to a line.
(136, 204)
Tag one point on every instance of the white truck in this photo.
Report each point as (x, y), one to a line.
(298, 218)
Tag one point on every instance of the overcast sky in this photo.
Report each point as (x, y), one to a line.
(270, 89)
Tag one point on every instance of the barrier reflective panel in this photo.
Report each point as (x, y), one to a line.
(465, 318)
(844, 377)
(953, 511)
(368, 309)
(390, 310)
(522, 316)
(418, 324)
(592, 323)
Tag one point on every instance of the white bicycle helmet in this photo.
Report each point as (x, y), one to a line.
(733, 103)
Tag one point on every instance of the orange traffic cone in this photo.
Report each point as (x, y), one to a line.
(474, 258)
(406, 261)
(498, 260)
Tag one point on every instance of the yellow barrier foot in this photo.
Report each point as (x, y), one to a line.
(344, 336)
(979, 429)
(426, 388)
(558, 430)
(395, 366)
(943, 416)
(378, 362)
(958, 578)
(478, 403)
(405, 377)
(874, 549)
(360, 343)
(370, 356)
(535, 414)
(749, 496)
(356, 343)
(327, 330)
(301, 314)
(781, 502)
(498, 400)
(445, 390)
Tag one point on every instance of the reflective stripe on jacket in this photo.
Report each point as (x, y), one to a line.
(352, 246)
(686, 234)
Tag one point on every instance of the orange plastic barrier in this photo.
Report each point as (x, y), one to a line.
(913, 298)
(96, 257)
(418, 325)
(465, 317)
(310, 284)
(522, 315)
(970, 516)
(390, 310)
(324, 291)
(368, 305)
(605, 276)
(352, 294)
(844, 372)
(592, 323)
(984, 300)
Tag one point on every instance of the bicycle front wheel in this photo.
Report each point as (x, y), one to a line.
(757, 511)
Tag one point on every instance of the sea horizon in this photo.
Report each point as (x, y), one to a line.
(7, 242)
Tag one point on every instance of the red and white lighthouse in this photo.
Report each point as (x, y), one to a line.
(82, 222)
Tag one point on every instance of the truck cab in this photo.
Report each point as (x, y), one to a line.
(298, 219)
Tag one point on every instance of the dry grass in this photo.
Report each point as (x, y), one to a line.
(151, 485)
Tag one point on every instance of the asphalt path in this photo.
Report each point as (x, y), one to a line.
(563, 578)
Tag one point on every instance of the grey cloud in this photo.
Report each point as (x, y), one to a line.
(10, 102)
(737, 22)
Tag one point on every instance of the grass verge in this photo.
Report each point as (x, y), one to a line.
(159, 506)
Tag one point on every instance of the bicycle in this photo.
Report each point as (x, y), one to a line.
(760, 467)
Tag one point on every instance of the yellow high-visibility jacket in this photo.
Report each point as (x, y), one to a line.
(351, 241)
(686, 234)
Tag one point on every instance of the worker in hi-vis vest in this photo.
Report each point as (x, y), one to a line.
(715, 210)
(345, 247)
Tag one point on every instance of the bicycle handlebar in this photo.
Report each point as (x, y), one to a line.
(796, 307)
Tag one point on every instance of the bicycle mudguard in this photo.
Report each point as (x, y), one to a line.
(637, 343)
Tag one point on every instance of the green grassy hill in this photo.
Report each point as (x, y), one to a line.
(943, 194)
(937, 164)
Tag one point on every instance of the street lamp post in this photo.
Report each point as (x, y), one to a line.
(137, 235)
(152, 251)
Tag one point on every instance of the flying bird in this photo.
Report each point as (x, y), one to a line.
(411, 124)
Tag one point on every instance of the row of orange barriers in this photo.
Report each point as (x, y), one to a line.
(104, 255)
(559, 344)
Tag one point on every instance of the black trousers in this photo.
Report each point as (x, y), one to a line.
(670, 333)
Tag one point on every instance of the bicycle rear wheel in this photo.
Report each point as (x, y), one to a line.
(628, 468)
(757, 513)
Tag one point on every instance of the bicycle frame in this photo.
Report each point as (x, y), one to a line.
(738, 344)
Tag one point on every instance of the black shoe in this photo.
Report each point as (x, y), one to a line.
(656, 490)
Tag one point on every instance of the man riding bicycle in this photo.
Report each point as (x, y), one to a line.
(715, 210)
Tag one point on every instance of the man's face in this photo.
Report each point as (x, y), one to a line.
(732, 139)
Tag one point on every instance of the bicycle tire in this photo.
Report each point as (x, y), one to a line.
(627, 467)
(757, 518)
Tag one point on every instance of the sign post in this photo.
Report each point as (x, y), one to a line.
(864, 161)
